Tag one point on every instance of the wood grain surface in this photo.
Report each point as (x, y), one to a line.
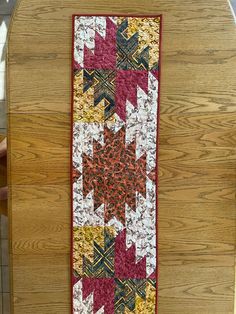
(197, 161)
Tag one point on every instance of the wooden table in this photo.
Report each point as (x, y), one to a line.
(197, 153)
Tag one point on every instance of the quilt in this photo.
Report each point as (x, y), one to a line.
(114, 155)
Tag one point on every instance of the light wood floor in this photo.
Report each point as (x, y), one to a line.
(197, 153)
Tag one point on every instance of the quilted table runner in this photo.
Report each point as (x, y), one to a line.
(116, 70)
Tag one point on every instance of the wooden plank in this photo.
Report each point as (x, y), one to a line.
(177, 22)
(189, 289)
(213, 100)
(40, 79)
(183, 223)
(192, 73)
(199, 193)
(209, 138)
(34, 148)
(46, 278)
(194, 250)
(32, 275)
(37, 72)
(48, 44)
(211, 156)
(207, 101)
(175, 173)
(197, 122)
(45, 227)
(39, 146)
(42, 302)
(200, 260)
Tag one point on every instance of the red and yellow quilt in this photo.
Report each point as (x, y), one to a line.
(116, 71)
